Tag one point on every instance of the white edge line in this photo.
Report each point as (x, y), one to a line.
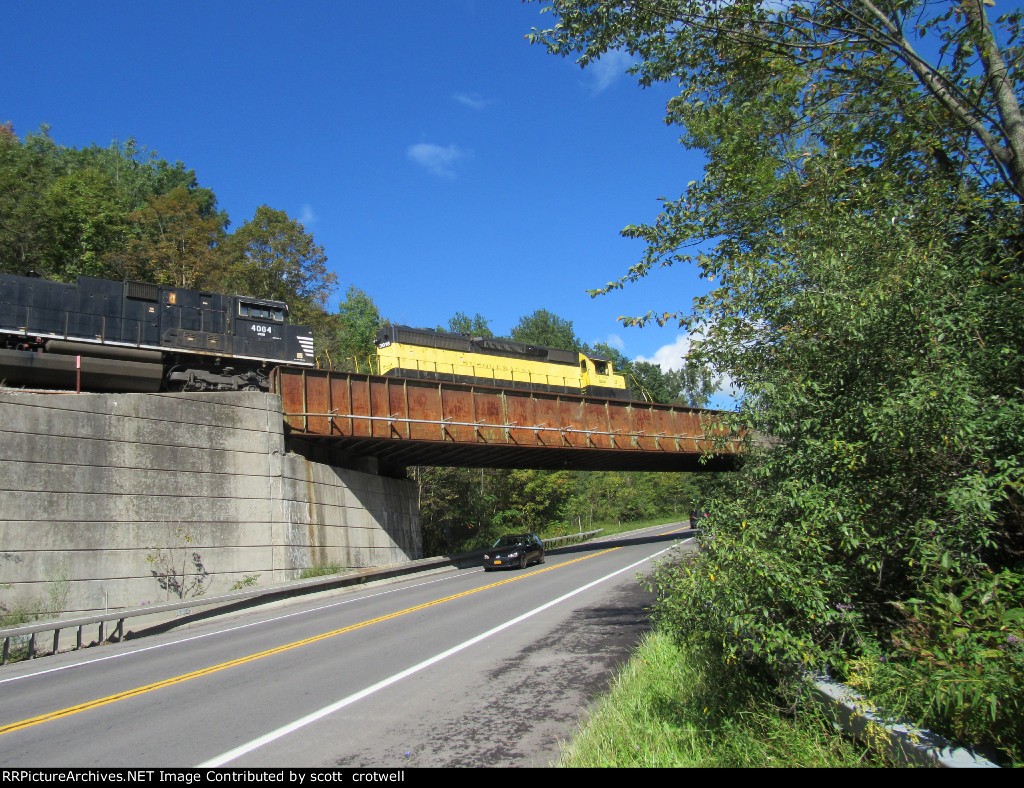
(317, 715)
(181, 641)
(226, 631)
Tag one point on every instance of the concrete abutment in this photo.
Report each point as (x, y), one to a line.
(112, 501)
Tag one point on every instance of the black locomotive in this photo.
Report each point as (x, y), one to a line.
(101, 335)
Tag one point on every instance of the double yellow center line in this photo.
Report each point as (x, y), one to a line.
(94, 704)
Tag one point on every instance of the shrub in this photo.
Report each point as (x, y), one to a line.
(957, 661)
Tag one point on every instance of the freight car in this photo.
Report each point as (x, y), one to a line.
(103, 335)
(438, 355)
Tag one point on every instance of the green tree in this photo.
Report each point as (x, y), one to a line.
(534, 499)
(65, 212)
(354, 331)
(175, 241)
(651, 381)
(476, 326)
(25, 172)
(273, 256)
(85, 221)
(860, 216)
(464, 508)
(624, 496)
(692, 384)
(626, 367)
(620, 361)
(546, 329)
(138, 174)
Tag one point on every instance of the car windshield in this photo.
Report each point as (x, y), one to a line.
(508, 541)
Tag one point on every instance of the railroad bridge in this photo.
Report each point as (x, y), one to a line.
(89, 483)
(402, 422)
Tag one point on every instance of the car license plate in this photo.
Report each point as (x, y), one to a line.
(496, 563)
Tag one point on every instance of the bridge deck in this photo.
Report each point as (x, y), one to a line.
(418, 422)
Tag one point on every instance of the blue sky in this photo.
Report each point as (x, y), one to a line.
(445, 164)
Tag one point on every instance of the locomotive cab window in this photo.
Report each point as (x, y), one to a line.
(602, 367)
(260, 312)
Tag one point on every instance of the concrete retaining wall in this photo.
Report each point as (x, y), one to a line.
(105, 498)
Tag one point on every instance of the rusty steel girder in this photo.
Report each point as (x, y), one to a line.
(420, 422)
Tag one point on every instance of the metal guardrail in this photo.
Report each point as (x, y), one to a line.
(577, 536)
(898, 740)
(184, 607)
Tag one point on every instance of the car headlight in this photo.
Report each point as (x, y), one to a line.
(514, 555)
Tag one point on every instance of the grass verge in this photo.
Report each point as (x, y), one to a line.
(665, 709)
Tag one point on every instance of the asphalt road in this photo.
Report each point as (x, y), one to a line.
(463, 668)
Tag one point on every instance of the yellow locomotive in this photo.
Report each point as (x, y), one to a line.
(437, 355)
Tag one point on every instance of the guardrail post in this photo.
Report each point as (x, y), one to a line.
(32, 646)
(7, 651)
(56, 641)
(101, 632)
(120, 630)
(79, 645)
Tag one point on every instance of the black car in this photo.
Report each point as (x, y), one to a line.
(514, 550)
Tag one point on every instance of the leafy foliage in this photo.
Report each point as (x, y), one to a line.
(462, 509)
(178, 567)
(247, 581)
(321, 570)
(957, 661)
(173, 242)
(692, 384)
(672, 706)
(860, 217)
(353, 329)
(121, 212)
(65, 212)
(273, 256)
(476, 326)
(546, 329)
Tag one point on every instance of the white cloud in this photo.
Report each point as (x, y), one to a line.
(615, 341)
(671, 356)
(609, 69)
(472, 100)
(440, 161)
(307, 216)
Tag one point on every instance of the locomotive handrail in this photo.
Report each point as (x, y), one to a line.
(485, 372)
(66, 334)
(449, 368)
